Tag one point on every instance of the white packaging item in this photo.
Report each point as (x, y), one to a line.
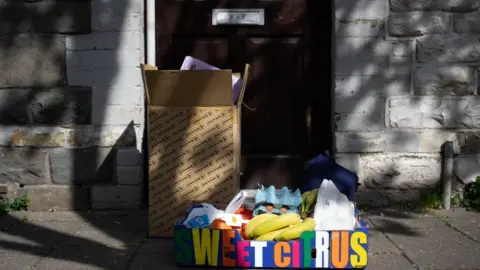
(230, 218)
(207, 210)
(333, 210)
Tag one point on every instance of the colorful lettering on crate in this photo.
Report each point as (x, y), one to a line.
(206, 247)
(319, 249)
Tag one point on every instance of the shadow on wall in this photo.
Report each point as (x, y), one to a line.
(71, 110)
(405, 84)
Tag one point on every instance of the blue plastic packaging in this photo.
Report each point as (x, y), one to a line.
(278, 198)
(324, 167)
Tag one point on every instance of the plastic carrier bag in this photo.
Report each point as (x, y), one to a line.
(324, 167)
(333, 210)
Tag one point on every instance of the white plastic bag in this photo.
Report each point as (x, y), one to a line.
(201, 217)
(230, 218)
(333, 210)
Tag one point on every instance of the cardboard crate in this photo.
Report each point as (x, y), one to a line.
(193, 141)
(315, 249)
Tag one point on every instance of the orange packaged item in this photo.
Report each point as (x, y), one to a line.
(219, 224)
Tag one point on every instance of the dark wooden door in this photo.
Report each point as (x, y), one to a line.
(287, 112)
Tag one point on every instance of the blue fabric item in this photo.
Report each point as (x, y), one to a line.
(324, 167)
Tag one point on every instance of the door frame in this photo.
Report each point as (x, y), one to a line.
(317, 32)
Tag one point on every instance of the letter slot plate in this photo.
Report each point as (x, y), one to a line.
(238, 17)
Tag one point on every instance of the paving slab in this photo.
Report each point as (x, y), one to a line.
(117, 240)
(18, 260)
(467, 222)
(403, 222)
(389, 261)
(438, 248)
(378, 243)
(87, 258)
(36, 236)
(98, 237)
(46, 216)
(161, 246)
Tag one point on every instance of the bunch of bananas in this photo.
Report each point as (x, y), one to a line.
(309, 199)
(268, 227)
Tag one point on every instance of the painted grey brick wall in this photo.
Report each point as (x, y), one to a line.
(406, 82)
(71, 102)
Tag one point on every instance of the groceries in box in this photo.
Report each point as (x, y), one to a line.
(319, 228)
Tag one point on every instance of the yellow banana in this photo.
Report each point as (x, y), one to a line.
(276, 223)
(294, 232)
(256, 221)
(271, 235)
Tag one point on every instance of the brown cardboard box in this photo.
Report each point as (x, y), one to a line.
(193, 141)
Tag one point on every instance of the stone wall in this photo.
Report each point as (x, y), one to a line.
(406, 81)
(71, 102)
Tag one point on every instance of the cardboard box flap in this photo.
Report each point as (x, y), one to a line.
(143, 68)
(189, 88)
(244, 85)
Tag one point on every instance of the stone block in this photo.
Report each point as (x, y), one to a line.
(445, 5)
(434, 79)
(9, 190)
(448, 49)
(367, 56)
(62, 106)
(133, 96)
(400, 171)
(24, 166)
(32, 60)
(82, 166)
(469, 142)
(105, 78)
(113, 40)
(53, 197)
(357, 142)
(72, 137)
(419, 141)
(359, 28)
(14, 106)
(361, 86)
(129, 175)
(434, 112)
(65, 17)
(467, 167)
(116, 197)
(369, 104)
(410, 24)
(56, 106)
(359, 122)
(385, 197)
(32, 136)
(467, 23)
(118, 115)
(117, 6)
(105, 58)
(129, 157)
(105, 21)
(349, 161)
(395, 141)
(104, 136)
(360, 9)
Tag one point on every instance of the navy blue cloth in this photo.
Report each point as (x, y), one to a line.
(324, 167)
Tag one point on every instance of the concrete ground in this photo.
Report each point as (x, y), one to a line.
(117, 240)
